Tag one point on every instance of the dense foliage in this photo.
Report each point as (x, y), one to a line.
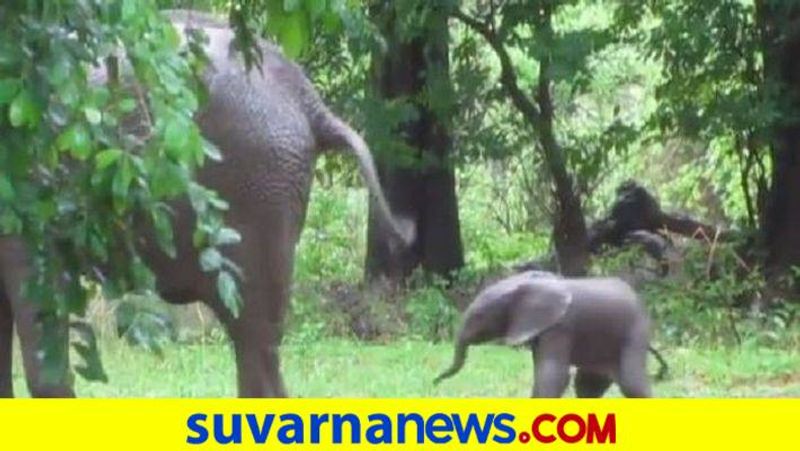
(73, 178)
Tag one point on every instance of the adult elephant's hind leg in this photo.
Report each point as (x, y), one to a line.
(25, 314)
(30, 336)
(6, 331)
(257, 332)
(256, 337)
(258, 361)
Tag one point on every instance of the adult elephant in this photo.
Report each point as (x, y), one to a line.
(270, 125)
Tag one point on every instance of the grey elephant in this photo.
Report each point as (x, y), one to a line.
(269, 125)
(598, 325)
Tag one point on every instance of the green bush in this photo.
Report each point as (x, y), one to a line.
(431, 313)
(713, 297)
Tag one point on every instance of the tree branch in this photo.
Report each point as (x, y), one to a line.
(508, 77)
(635, 209)
(534, 115)
(569, 228)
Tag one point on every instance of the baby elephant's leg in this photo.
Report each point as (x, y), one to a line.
(590, 385)
(551, 365)
(633, 379)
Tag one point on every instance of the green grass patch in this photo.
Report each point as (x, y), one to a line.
(346, 368)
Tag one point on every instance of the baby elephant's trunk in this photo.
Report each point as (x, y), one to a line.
(458, 362)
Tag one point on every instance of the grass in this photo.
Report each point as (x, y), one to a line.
(344, 368)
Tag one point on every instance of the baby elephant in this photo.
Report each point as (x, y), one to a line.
(596, 324)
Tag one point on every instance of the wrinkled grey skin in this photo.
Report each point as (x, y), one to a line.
(270, 126)
(596, 324)
(663, 368)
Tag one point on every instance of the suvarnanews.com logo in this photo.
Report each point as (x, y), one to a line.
(400, 428)
(414, 424)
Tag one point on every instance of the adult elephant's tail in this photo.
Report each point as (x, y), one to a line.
(335, 133)
(459, 358)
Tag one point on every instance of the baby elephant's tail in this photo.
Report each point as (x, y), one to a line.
(663, 368)
(458, 362)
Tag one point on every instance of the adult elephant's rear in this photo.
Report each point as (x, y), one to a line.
(269, 125)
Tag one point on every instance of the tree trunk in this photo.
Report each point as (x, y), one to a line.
(570, 236)
(781, 228)
(425, 190)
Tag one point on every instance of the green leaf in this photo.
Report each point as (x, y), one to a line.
(274, 10)
(107, 157)
(291, 5)
(198, 196)
(75, 296)
(229, 293)
(46, 209)
(295, 33)
(141, 276)
(24, 111)
(93, 115)
(316, 7)
(6, 189)
(142, 324)
(10, 223)
(129, 9)
(217, 202)
(10, 53)
(164, 232)
(173, 38)
(226, 235)
(210, 259)
(122, 181)
(60, 70)
(8, 89)
(76, 140)
(211, 151)
(332, 22)
(176, 139)
(87, 349)
(168, 179)
(127, 105)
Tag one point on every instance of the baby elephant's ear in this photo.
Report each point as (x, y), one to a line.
(537, 306)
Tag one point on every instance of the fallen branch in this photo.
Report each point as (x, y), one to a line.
(636, 218)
